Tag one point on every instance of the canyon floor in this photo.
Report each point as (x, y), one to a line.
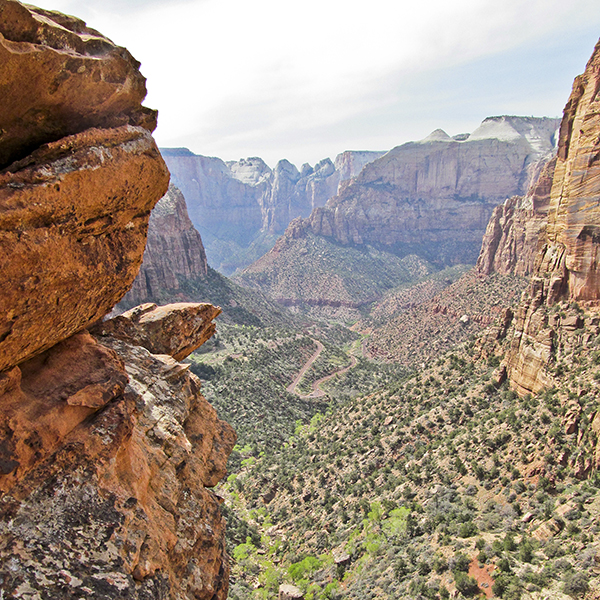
(411, 473)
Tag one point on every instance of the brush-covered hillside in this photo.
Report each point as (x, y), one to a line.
(442, 483)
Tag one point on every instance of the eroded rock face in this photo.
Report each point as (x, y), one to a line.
(566, 266)
(175, 329)
(233, 204)
(73, 222)
(434, 197)
(106, 450)
(70, 78)
(174, 252)
(107, 455)
(514, 231)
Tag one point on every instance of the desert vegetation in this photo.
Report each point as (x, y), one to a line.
(420, 483)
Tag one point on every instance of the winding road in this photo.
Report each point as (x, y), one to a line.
(317, 391)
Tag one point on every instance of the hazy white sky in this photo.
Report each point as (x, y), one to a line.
(305, 80)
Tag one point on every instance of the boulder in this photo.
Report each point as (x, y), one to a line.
(175, 329)
(289, 592)
(59, 77)
(73, 222)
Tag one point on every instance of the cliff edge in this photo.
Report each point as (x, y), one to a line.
(107, 447)
(566, 267)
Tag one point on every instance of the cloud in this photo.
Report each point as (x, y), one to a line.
(227, 74)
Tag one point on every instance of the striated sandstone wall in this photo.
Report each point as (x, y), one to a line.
(435, 197)
(107, 448)
(174, 252)
(566, 266)
(513, 233)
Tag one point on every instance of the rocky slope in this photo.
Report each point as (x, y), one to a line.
(107, 449)
(175, 269)
(412, 326)
(310, 273)
(174, 253)
(566, 266)
(240, 206)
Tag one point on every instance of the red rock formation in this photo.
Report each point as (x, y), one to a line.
(566, 267)
(174, 253)
(106, 456)
(106, 450)
(513, 233)
(70, 78)
(73, 221)
(174, 329)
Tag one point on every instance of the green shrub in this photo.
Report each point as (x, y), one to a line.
(575, 584)
(465, 584)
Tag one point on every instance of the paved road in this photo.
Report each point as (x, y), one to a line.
(317, 391)
(292, 387)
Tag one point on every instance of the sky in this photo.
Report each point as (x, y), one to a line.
(307, 80)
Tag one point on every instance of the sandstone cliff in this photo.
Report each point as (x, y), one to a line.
(566, 266)
(107, 447)
(174, 253)
(513, 233)
(434, 197)
(240, 206)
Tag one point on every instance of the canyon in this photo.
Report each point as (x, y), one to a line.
(239, 207)
(430, 200)
(444, 444)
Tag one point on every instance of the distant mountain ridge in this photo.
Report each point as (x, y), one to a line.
(431, 199)
(239, 207)
(435, 197)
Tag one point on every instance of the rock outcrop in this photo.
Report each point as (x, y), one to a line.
(174, 253)
(106, 456)
(434, 198)
(236, 204)
(513, 233)
(566, 266)
(175, 329)
(73, 222)
(350, 163)
(71, 78)
(107, 451)
(75, 206)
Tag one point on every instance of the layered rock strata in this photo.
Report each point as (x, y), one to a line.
(235, 203)
(174, 252)
(514, 231)
(435, 197)
(566, 266)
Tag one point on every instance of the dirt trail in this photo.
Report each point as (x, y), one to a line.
(317, 391)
